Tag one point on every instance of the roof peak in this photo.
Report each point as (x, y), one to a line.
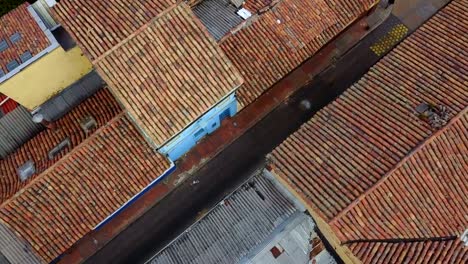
(404, 240)
(138, 31)
(408, 156)
(64, 158)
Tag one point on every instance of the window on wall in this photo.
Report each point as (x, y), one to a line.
(12, 65)
(15, 37)
(2, 73)
(199, 134)
(224, 115)
(3, 45)
(25, 56)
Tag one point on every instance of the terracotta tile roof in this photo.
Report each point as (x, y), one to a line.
(428, 252)
(266, 50)
(99, 26)
(255, 6)
(101, 106)
(8, 105)
(423, 197)
(370, 128)
(188, 75)
(32, 39)
(69, 199)
(370, 166)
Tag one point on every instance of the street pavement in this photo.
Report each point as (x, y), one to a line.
(238, 161)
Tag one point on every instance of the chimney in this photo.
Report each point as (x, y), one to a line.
(38, 118)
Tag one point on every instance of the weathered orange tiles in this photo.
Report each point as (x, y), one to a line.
(166, 69)
(70, 198)
(102, 107)
(99, 26)
(169, 74)
(278, 41)
(444, 251)
(381, 173)
(31, 36)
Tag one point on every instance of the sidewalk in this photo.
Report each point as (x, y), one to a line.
(214, 144)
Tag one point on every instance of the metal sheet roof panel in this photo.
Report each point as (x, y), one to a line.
(233, 228)
(218, 16)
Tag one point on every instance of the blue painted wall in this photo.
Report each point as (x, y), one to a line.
(136, 196)
(205, 125)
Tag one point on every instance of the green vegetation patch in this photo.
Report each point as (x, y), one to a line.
(8, 5)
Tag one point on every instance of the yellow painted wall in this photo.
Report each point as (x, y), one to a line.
(46, 77)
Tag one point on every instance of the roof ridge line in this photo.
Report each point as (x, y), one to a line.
(402, 240)
(410, 154)
(251, 20)
(61, 160)
(137, 32)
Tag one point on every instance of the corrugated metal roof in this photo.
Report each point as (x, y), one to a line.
(16, 128)
(12, 250)
(69, 98)
(218, 16)
(31, 37)
(43, 10)
(233, 228)
(290, 244)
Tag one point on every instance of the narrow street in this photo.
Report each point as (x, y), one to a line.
(238, 161)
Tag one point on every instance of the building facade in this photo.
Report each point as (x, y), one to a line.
(176, 88)
(205, 125)
(32, 56)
